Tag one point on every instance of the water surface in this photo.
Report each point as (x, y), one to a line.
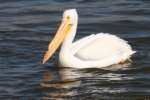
(26, 27)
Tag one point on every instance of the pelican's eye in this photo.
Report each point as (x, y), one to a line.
(68, 17)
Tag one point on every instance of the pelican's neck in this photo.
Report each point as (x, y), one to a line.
(67, 44)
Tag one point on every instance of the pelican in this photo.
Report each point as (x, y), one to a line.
(93, 51)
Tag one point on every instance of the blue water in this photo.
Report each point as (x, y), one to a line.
(26, 27)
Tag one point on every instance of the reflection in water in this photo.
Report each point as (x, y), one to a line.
(58, 86)
(116, 67)
(64, 83)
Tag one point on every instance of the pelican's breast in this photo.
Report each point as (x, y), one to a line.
(103, 46)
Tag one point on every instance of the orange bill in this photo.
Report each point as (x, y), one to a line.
(58, 39)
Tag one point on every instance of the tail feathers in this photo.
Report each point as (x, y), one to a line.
(133, 52)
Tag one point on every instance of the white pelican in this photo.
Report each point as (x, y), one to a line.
(94, 51)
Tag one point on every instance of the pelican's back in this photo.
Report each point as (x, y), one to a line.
(103, 46)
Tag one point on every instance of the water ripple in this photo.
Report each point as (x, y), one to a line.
(26, 28)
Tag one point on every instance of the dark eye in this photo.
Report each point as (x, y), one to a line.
(68, 17)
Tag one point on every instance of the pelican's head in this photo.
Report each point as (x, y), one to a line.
(70, 14)
(69, 20)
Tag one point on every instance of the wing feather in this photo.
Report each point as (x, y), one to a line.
(100, 46)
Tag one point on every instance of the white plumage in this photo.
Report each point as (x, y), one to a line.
(97, 50)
